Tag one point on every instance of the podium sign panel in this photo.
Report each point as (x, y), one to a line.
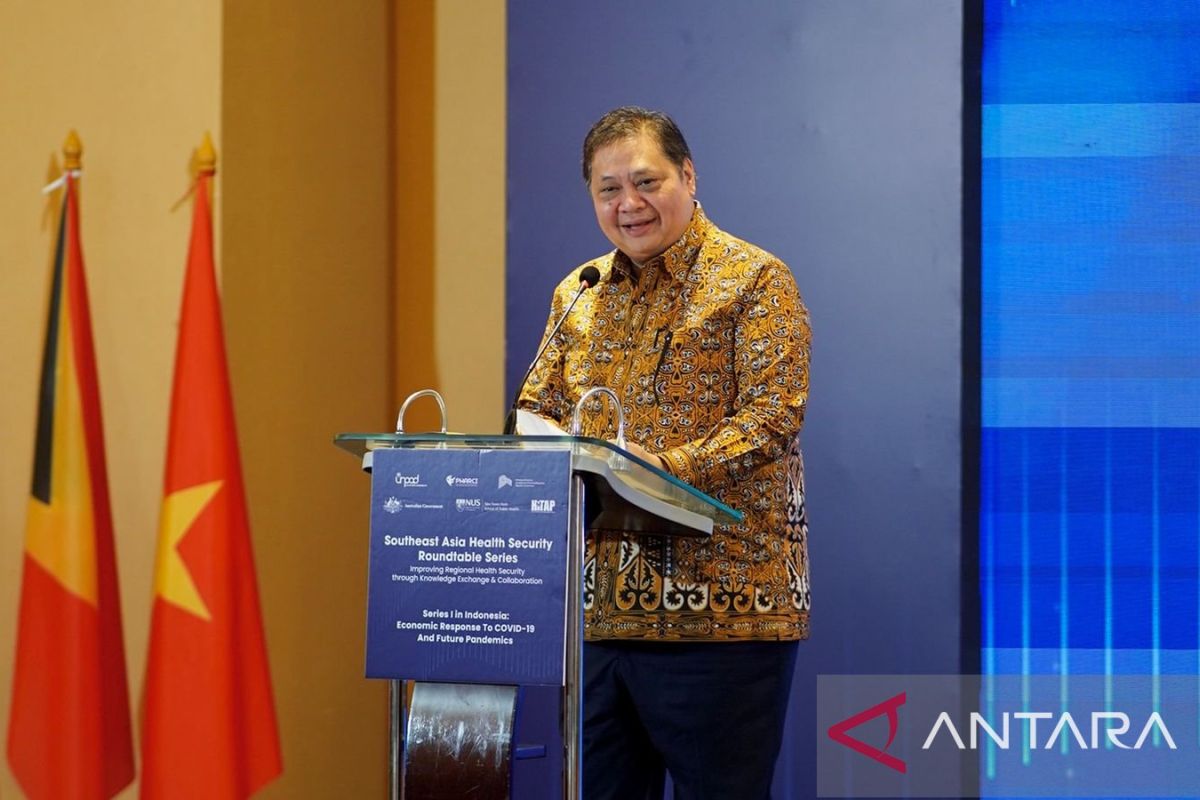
(468, 565)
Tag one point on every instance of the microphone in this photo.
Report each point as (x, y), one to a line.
(588, 278)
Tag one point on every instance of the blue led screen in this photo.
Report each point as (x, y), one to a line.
(1090, 452)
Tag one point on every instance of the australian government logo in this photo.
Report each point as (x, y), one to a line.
(1008, 735)
(394, 505)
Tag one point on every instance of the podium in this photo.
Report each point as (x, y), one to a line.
(475, 588)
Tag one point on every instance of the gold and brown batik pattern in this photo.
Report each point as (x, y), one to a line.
(708, 346)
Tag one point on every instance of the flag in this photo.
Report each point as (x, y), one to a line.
(69, 733)
(209, 727)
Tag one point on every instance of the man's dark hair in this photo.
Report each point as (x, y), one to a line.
(628, 121)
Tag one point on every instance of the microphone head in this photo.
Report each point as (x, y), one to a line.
(589, 276)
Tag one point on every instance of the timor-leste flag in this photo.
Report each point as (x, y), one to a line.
(209, 727)
(69, 733)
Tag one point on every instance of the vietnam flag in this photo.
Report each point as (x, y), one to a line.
(69, 733)
(208, 717)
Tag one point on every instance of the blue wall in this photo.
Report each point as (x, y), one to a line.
(829, 133)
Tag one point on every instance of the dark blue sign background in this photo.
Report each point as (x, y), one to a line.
(468, 560)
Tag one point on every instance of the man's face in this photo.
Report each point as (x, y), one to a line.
(643, 201)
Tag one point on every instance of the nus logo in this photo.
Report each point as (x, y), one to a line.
(541, 506)
(838, 732)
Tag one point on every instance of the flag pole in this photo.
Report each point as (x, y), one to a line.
(204, 159)
(72, 152)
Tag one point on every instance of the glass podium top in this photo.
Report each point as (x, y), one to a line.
(593, 455)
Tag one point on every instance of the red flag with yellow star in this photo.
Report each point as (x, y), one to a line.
(69, 734)
(209, 727)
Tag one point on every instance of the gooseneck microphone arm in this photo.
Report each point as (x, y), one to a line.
(588, 278)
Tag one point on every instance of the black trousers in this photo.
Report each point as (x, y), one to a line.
(711, 713)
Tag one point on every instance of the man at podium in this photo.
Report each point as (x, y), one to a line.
(690, 643)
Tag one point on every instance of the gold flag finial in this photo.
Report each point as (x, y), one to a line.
(72, 151)
(206, 156)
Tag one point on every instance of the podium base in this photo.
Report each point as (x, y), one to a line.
(458, 742)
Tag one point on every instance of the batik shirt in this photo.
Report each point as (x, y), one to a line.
(707, 345)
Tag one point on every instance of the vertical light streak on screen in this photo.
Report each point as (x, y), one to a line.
(988, 531)
(1155, 621)
(1064, 595)
(1108, 576)
(1026, 642)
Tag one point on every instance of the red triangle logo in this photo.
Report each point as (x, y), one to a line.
(837, 732)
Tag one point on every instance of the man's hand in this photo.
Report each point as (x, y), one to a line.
(644, 454)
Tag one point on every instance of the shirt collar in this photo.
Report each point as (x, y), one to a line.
(677, 259)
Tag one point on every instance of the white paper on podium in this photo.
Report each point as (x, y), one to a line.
(530, 424)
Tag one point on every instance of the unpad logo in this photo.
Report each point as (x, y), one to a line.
(409, 480)
(837, 732)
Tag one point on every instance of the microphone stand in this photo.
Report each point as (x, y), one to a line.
(587, 279)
